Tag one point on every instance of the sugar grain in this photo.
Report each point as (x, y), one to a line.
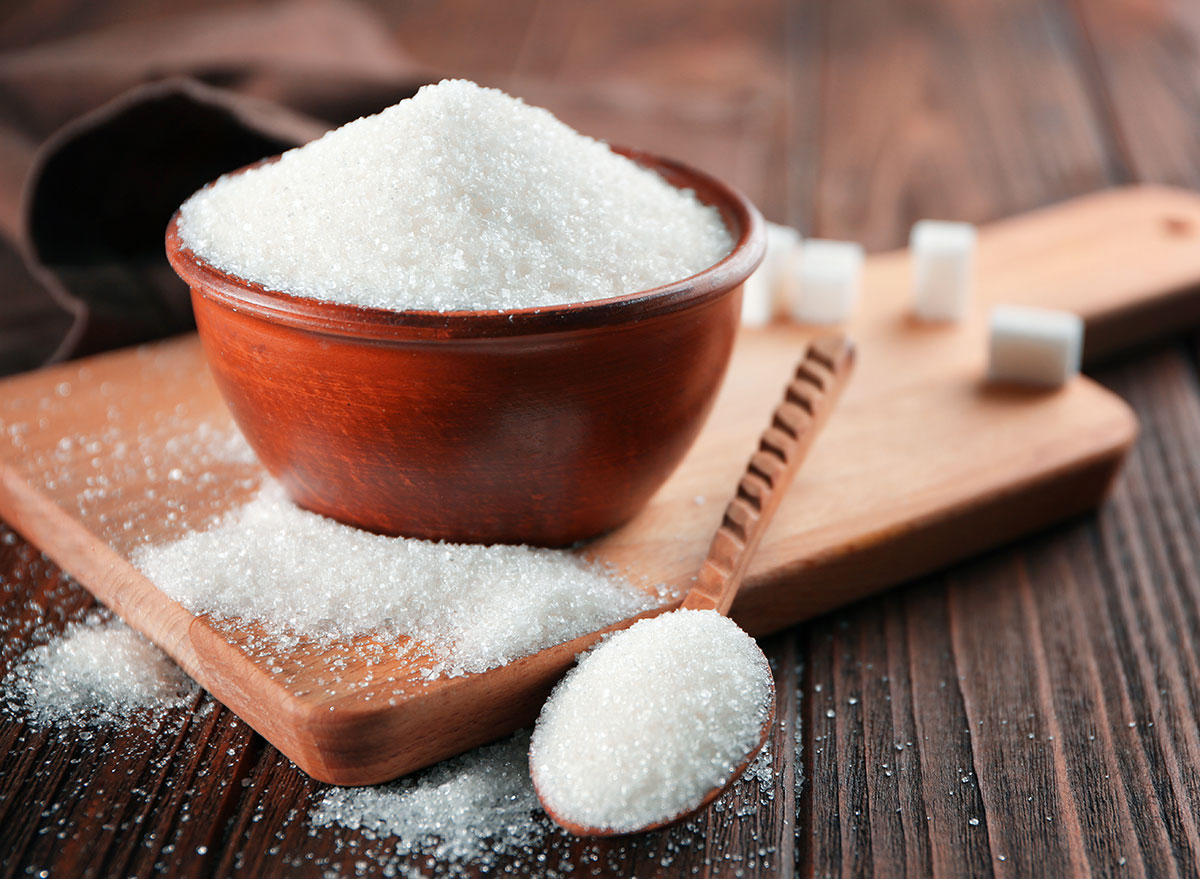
(650, 721)
(298, 573)
(460, 197)
(478, 814)
(479, 807)
(98, 671)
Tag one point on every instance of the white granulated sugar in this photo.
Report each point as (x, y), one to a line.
(479, 807)
(97, 671)
(461, 197)
(296, 572)
(478, 814)
(650, 721)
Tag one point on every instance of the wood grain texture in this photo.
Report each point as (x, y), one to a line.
(1030, 673)
(1143, 75)
(807, 403)
(922, 108)
(1115, 592)
(1040, 691)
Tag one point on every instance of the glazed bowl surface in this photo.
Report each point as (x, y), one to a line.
(544, 426)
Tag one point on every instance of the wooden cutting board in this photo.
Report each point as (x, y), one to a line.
(921, 465)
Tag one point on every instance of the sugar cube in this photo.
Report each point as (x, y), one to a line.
(943, 257)
(828, 279)
(767, 287)
(1036, 346)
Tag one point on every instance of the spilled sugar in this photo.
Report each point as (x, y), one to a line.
(396, 836)
(98, 671)
(536, 846)
(161, 753)
(478, 807)
(474, 607)
(458, 198)
(650, 721)
(479, 814)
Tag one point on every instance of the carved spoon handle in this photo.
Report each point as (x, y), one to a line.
(807, 403)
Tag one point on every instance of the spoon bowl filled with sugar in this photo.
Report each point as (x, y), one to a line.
(659, 719)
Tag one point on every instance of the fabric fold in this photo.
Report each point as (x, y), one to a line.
(102, 136)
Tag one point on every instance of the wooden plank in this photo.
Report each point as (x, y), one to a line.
(1061, 675)
(1071, 689)
(950, 110)
(90, 799)
(795, 159)
(971, 110)
(461, 38)
(1145, 79)
(677, 80)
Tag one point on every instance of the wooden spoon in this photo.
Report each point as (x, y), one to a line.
(807, 404)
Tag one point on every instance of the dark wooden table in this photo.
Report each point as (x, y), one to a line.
(1033, 712)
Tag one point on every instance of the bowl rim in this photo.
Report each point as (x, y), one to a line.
(738, 213)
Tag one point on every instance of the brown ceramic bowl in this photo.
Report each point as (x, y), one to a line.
(542, 425)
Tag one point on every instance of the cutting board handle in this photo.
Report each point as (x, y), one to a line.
(795, 423)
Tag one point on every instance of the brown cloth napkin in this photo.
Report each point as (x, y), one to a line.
(102, 136)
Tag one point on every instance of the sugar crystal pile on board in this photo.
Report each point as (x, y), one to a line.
(460, 197)
(298, 573)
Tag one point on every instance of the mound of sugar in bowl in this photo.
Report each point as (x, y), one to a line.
(459, 198)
